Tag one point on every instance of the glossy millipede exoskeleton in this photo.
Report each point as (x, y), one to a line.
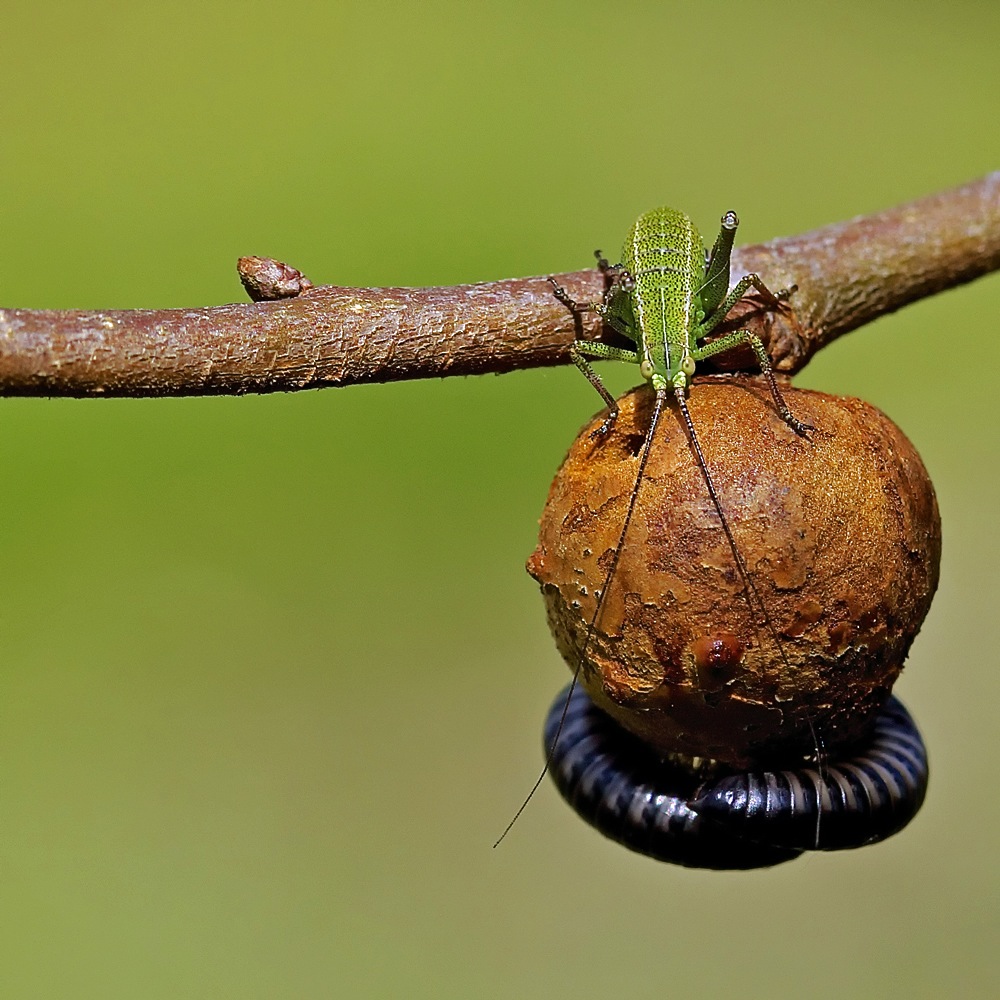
(743, 820)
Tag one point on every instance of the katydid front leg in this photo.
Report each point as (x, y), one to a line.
(583, 349)
(741, 337)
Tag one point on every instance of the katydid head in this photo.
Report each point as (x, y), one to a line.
(664, 377)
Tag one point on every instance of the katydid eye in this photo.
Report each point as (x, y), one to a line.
(688, 366)
(646, 368)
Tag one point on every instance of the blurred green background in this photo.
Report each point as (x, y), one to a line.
(273, 675)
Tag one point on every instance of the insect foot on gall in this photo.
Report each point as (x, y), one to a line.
(841, 538)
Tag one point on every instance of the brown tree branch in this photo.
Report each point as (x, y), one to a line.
(846, 275)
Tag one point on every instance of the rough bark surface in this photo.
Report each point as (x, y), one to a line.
(846, 275)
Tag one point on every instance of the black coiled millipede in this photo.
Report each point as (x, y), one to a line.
(742, 820)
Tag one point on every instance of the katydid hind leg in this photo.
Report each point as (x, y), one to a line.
(738, 339)
(764, 360)
(713, 317)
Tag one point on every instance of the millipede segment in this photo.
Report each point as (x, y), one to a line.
(739, 821)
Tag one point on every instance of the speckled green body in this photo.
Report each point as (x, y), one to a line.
(662, 309)
(666, 296)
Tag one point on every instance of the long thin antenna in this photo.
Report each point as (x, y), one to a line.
(661, 399)
(744, 572)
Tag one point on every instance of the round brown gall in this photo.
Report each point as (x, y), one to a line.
(839, 532)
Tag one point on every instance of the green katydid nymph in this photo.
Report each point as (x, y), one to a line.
(666, 296)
